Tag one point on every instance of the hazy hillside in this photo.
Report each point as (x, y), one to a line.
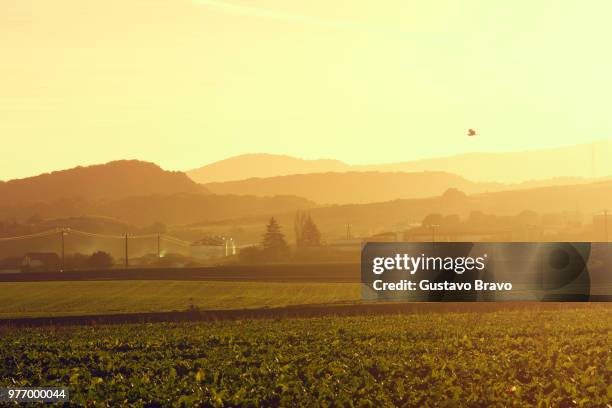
(398, 215)
(353, 187)
(244, 217)
(262, 165)
(169, 209)
(185, 208)
(369, 218)
(114, 180)
(556, 181)
(576, 161)
(141, 193)
(588, 160)
(368, 187)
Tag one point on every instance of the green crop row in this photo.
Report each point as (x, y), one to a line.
(521, 358)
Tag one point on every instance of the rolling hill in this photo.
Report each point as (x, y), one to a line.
(141, 193)
(110, 181)
(397, 215)
(353, 187)
(168, 208)
(587, 199)
(587, 160)
(262, 165)
(370, 187)
(133, 192)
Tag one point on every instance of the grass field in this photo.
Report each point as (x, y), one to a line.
(518, 358)
(23, 299)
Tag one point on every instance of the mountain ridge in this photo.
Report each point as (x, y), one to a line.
(584, 160)
(113, 180)
(262, 165)
(353, 186)
(360, 187)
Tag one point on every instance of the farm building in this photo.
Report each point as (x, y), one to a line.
(213, 247)
(40, 262)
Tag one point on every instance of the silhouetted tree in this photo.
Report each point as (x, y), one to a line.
(251, 254)
(298, 226)
(101, 259)
(454, 194)
(475, 217)
(432, 219)
(307, 233)
(274, 243)
(173, 260)
(13, 262)
(76, 261)
(311, 236)
(528, 217)
(452, 219)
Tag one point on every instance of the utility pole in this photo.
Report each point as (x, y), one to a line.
(433, 232)
(126, 251)
(348, 231)
(158, 246)
(62, 233)
(606, 224)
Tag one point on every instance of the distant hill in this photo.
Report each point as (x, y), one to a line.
(556, 181)
(262, 165)
(110, 181)
(587, 160)
(168, 208)
(133, 192)
(244, 216)
(186, 208)
(354, 187)
(398, 215)
(587, 199)
(370, 187)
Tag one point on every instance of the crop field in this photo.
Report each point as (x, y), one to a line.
(505, 358)
(20, 299)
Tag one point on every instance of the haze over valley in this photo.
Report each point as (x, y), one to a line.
(133, 194)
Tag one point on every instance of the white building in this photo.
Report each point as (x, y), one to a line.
(213, 247)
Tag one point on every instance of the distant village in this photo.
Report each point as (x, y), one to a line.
(310, 245)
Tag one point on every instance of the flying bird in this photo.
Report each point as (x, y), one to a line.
(471, 132)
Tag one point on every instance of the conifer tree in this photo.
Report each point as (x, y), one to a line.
(311, 236)
(274, 243)
(307, 233)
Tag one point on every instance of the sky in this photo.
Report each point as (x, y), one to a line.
(183, 83)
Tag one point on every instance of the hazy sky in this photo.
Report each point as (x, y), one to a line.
(187, 82)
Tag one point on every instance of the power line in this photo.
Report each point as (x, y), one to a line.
(70, 231)
(63, 232)
(91, 234)
(175, 240)
(30, 236)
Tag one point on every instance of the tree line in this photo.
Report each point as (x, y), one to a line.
(274, 246)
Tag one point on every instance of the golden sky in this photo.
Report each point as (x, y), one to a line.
(187, 82)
